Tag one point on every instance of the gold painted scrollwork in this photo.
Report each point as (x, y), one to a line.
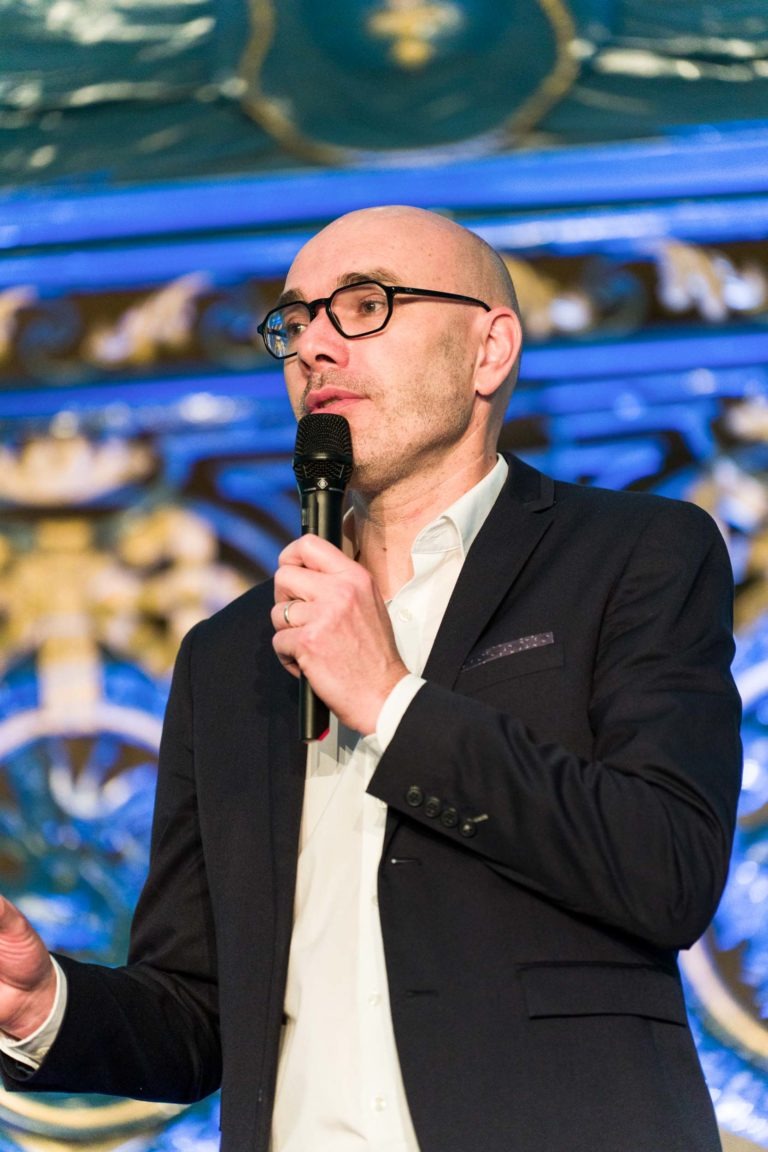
(77, 591)
(414, 24)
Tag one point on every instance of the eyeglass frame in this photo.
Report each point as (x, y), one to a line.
(389, 290)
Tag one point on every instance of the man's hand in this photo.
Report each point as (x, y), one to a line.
(27, 975)
(338, 633)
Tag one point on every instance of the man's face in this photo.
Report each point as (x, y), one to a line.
(407, 391)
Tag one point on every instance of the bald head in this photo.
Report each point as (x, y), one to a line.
(399, 244)
(478, 269)
(412, 248)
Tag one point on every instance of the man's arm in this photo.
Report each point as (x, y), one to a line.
(636, 834)
(634, 827)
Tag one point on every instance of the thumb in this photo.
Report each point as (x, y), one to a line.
(27, 976)
(10, 916)
(14, 925)
(25, 963)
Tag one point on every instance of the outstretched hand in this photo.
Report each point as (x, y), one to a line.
(338, 632)
(27, 975)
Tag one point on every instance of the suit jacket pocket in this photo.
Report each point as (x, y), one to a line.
(506, 667)
(602, 990)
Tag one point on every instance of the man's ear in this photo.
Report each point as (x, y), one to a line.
(499, 350)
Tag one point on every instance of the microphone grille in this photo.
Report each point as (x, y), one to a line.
(323, 447)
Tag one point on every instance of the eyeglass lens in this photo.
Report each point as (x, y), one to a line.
(358, 310)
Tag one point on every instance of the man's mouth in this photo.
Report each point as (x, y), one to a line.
(321, 399)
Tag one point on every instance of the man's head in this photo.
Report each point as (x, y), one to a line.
(433, 384)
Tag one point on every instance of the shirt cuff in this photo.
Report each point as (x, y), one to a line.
(33, 1049)
(394, 708)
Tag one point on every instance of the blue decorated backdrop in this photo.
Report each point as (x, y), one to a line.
(145, 440)
(145, 481)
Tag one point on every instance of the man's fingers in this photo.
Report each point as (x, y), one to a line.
(292, 583)
(311, 551)
(284, 645)
(290, 612)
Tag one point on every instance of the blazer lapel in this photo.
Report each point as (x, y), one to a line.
(521, 515)
(513, 528)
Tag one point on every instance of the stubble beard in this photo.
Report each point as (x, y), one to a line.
(397, 444)
(410, 441)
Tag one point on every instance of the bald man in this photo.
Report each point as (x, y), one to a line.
(452, 924)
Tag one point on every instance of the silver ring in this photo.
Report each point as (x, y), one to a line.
(286, 610)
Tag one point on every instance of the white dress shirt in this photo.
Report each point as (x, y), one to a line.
(339, 1085)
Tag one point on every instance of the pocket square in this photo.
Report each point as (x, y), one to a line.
(509, 648)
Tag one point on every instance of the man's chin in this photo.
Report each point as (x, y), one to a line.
(366, 478)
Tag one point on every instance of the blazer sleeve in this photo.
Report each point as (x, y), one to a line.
(637, 834)
(149, 1030)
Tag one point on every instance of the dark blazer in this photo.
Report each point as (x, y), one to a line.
(561, 800)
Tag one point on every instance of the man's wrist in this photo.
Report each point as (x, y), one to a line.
(395, 706)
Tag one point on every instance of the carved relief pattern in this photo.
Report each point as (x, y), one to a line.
(122, 525)
(192, 319)
(103, 567)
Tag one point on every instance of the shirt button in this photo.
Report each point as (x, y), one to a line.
(405, 615)
(378, 1103)
(375, 900)
(374, 1000)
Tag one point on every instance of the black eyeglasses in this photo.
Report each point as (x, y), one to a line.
(354, 310)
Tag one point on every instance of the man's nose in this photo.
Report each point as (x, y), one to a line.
(320, 340)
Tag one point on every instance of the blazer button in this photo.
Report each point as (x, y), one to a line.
(449, 818)
(468, 828)
(414, 796)
(432, 807)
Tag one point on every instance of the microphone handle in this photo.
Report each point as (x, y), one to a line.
(322, 514)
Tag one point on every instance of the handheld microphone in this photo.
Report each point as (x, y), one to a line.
(322, 462)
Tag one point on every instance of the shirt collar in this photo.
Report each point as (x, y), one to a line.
(459, 524)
